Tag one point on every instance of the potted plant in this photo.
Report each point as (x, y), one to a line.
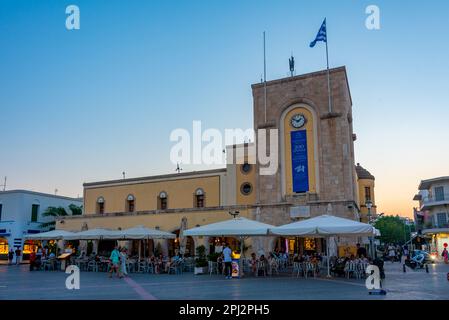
(213, 256)
(200, 261)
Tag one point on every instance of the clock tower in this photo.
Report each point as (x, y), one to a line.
(316, 173)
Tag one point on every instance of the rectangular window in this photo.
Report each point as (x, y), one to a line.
(200, 201)
(162, 203)
(101, 208)
(441, 219)
(130, 205)
(367, 194)
(439, 193)
(34, 212)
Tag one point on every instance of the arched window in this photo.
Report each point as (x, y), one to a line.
(199, 198)
(130, 203)
(100, 205)
(162, 201)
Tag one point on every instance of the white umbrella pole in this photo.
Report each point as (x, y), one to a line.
(241, 257)
(328, 257)
(140, 247)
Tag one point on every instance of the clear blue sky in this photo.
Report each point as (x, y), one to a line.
(85, 105)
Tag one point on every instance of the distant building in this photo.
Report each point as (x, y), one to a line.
(21, 214)
(365, 183)
(432, 214)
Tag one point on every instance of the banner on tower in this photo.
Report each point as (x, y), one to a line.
(300, 169)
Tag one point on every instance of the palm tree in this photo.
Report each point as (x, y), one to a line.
(53, 212)
(76, 210)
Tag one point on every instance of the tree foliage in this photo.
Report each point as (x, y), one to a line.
(393, 229)
(59, 212)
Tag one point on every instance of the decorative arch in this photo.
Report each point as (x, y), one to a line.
(311, 127)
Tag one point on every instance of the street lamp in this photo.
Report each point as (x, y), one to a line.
(369, 205)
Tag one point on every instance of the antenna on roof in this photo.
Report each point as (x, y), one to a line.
(124, 174)
(291, 63)
(56, 191)
(4, 185)
(178, 168)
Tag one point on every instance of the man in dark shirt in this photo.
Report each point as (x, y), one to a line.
(360, 251)
(18, 254)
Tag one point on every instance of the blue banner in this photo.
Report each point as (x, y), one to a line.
(300, 168)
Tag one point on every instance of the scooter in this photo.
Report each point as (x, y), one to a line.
(416, 263)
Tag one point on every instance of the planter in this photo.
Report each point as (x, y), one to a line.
(200, 270)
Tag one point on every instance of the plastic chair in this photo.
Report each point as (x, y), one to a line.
(261, 266)
(213, 267)
(297, 269)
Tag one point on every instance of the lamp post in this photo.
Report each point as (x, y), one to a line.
(369, 205)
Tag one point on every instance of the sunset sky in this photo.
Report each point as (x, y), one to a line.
(85, 105)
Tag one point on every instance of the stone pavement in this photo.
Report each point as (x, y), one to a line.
(16, 282)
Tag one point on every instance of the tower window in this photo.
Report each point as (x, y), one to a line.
(246, 188)
(245, 168)
(367, 194)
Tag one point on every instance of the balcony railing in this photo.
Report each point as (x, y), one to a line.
(430, 225)
(429, 201)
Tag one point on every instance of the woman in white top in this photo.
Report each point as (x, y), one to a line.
(391, 253)
(123, 257)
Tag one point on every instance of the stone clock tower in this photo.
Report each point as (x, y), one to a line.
(316, 173)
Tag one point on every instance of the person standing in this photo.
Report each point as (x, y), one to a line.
(32, 260)
(445, 255)
(361, 251)
(115, 260)
(391, 253)
(10, 256)
(123, 257)
(227, 258)
(399, 252)
(18, 255)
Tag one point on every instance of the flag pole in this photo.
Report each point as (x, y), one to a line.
(264, 79)
(328, 74)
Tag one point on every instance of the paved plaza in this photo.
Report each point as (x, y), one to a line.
(16, 282)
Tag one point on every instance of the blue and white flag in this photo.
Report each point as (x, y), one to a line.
(321, 35)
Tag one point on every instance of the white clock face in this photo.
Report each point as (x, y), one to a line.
(298, 120)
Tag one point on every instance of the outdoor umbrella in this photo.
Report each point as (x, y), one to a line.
(50, 235)
(325, 226)
(93, 234)
(139, 232)
(236, 227)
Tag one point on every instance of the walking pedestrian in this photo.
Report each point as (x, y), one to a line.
(123, 257)
(10, 256)
(227, 252)
(445, 255)
(391, 253)
(32, 260)
(115, 260)
(18, 255)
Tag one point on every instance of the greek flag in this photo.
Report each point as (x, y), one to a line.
(321, 35)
